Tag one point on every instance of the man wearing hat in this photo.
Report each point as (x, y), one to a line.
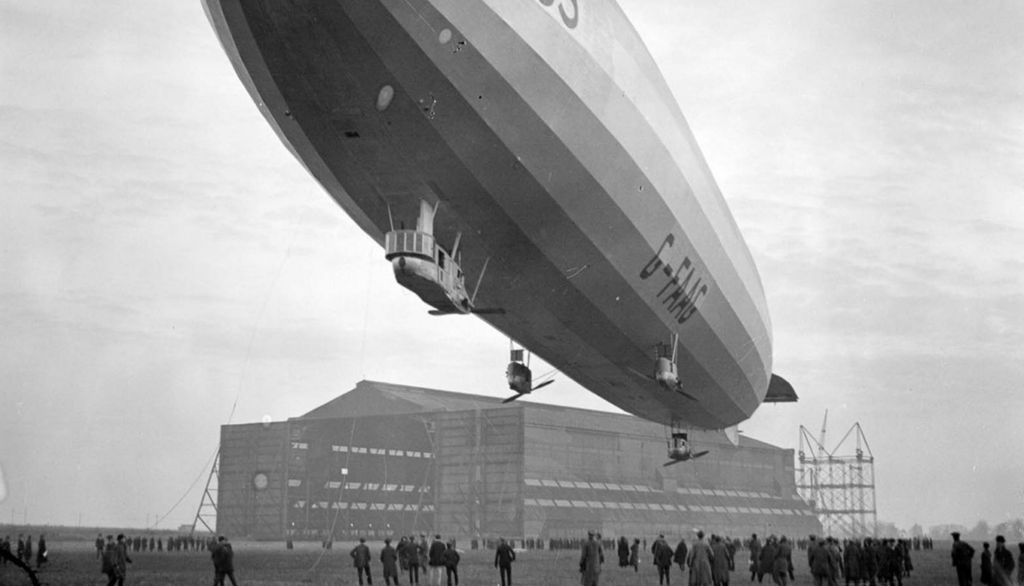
(223, 562)
(1003, 559)
(389, 559)
(962, 555)
(435, 559)
(591, 558)
(503, 558)
(361, 560)
(662, 553)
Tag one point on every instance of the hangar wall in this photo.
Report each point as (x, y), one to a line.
(389, 459)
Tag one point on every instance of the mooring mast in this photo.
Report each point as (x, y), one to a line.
(839, 487)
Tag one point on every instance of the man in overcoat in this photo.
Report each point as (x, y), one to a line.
(388, 559)
(962, 554)
(591, 559)
(699, 561)
(361, 560)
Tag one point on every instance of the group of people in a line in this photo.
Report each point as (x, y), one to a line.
(182, 543)
(439, 558)
(997, 566)
(115, 559)
(23, 550)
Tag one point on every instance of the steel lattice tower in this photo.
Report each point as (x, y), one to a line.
(839, 487)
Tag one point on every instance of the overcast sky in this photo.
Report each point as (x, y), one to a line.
(167, 267)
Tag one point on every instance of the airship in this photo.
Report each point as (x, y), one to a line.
(524, 161)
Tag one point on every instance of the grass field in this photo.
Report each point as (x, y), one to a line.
(268, 564)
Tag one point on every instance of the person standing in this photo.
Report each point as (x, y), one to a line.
(679, 557)
(435, 558)
(42, 554)
(662, 552)
(962, 554)
(869, 562)
(451, 563)
(361, 560)
(119, 562)
(223, 562)
(634, 555)
(1003, 560)
(591, 559)
(755, 555)
(720, 564)
(894, 558)
(503, 558)
(5, 549)
(782, 568)
(766, 564)
(1020, 564)
(412, 559)
(422, 550)
(623, 551)
(699, 561)
(388, 559)
(820, 560)
(986, 565)
(99, 545)
(851, 562)
(28, 551)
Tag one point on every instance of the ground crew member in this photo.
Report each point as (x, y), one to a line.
(962, 554)
(223, 562)
(591, 559)
(361, 560)
(503, 558)
(451, 563)
(435, 558)
(388, 557)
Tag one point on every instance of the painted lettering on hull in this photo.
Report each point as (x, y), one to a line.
(568, 10)
(684, 287)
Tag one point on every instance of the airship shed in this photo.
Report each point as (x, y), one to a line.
(386, 459)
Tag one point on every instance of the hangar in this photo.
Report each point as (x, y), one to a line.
(386, 459)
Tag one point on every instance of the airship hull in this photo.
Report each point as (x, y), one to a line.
(555, 148)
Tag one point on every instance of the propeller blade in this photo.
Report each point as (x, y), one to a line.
(670, 463)
(488, 311)
(543, 384)
(512, 398)
(642, 375)
(442, 312)
(699, 454)
(679, 389)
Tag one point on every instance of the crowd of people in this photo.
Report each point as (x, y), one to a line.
(436, 560)
(709, 562)
(24, 550)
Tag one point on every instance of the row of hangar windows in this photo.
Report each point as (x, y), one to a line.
(660, 507)
(343, 506)
(641, 488)
(372, 451)
(336, 485)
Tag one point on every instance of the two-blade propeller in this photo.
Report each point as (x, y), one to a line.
(675, 384)
(693, 457)
(517, 395)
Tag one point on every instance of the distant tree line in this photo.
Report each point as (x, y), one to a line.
(1012, 530)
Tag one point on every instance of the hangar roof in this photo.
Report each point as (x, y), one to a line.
(371, 398)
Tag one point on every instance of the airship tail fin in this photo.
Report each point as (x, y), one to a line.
(733, 434)
(780, 391)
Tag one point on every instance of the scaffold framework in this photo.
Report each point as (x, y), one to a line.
(207, 513)
(840, 487)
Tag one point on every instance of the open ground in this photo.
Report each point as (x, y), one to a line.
(271, 564)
